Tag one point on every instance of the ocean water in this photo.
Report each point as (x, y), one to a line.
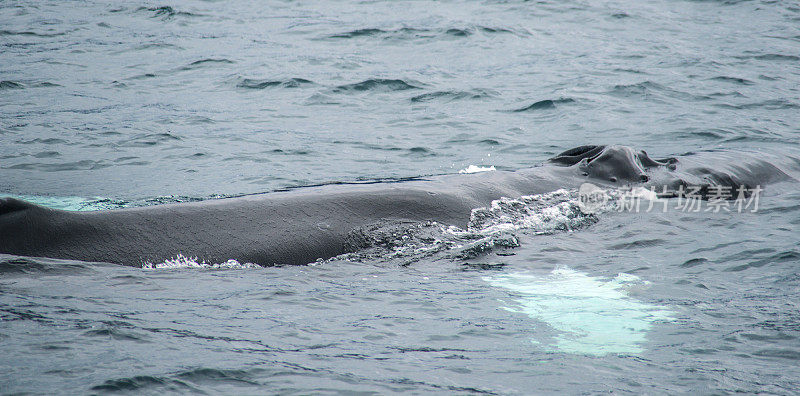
(114, 104)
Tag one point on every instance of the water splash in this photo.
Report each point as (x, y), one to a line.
(559, 210)
(73, 203)
(593, 316)
(180, 261)
(477, 169)
(490, 228)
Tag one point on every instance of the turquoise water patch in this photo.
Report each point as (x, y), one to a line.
(73, 203)
(593, 316)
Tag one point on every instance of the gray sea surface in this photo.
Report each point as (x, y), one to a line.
(115, 104)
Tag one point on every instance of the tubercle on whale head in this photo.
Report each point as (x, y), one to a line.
(615, 164)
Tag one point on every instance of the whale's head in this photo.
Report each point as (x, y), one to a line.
(615, 164)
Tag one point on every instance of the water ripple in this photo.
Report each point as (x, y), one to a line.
(543, 105)
(166, 12)
(376, 85)
(250, 83)
(453, 95)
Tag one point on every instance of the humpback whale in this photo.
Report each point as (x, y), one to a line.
(301, 225)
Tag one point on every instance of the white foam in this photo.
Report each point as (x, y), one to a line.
(593, 316)
(540, 213)
(181, 261)
(477, 169)
(73, 203)
(643, 193)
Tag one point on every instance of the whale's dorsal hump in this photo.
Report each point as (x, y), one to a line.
(11, 205)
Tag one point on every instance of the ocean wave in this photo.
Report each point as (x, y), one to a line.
(250, 83)
(142, 383)
(419, 151)
(74, 203)
(639, 88)
(29, 33)
(777, 57)
(772, 104)
(116, 334)
(11, 265)
(8, 84)
(166, 12)
(376, 85)
(543, 105)
(790, 256)
(650, 90)
(181, 382)
(733, 80)
(359, 33)
(202, 375)
(150, 139)
(415, 33)
(206, 62)
(55, 141)
(453, 95)
(63, 166)
(5, 84)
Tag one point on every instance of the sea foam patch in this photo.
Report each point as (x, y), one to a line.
(477, 169)
(559, 210)
(592, 315)
(180, 261)
(73, 203)
(489, 228)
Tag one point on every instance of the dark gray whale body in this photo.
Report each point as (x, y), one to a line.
(304, 224)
